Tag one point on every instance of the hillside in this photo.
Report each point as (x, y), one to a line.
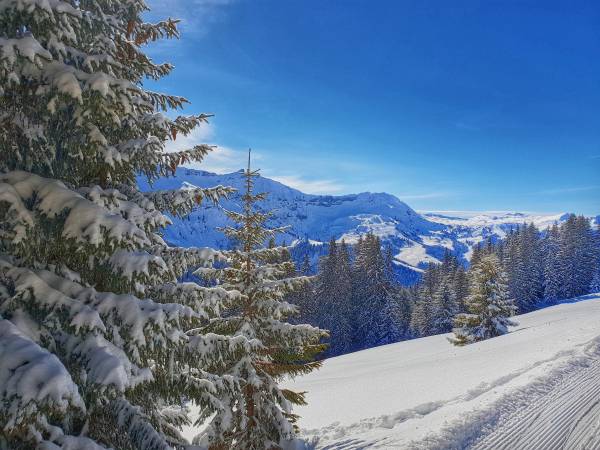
(415, 238)
(537, 387)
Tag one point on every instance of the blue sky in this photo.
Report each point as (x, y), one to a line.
(464, 105)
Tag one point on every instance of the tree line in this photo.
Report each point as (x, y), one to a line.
(356, 296)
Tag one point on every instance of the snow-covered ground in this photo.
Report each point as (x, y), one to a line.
(537, 387)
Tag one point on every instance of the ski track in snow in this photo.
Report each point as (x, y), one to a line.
(565, 416)
(558, 411)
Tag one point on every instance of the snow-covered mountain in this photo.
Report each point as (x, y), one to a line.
(415, 238)
(537, 387)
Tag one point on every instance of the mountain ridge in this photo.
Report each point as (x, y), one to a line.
(416, 238)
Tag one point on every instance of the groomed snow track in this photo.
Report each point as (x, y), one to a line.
(565, 413)
(560, 411)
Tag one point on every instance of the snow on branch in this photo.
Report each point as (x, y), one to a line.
(31, 378)
(181, 260)
(180, 202)
(84, 220)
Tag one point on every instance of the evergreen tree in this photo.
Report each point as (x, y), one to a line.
(334, 293)
(375, 299)
(460, 284)
(477, 254)
(305, 297)
(406, 298)
(576, 254)
(523, 262)
(391, 313)
(595, 284)
(258, 413)
(488, 305)
(553, 274)
(305, 268)
(421, 322)
(93, 345)
(444, 307)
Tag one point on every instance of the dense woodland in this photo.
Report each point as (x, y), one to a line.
(356, 296)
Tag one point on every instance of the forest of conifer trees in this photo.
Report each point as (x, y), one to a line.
(356, 296)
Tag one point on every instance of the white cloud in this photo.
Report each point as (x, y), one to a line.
(220, 160)
(226, 160)
(309, 186)
(568, 190)
(199, 135)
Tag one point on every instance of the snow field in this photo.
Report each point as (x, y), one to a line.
(536, 387)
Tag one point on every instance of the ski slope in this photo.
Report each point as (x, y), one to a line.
(537, 387)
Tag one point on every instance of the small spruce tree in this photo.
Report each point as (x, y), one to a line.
(488, 305)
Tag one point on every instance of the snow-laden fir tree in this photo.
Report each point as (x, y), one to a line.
(375, 298)
(93, 345)
(523, 261)
(489, 306)
(553, 273)
(304, 298)
(576, 254)
(259, 412)
(444, 307)
(595, 284)
(332, 301)
(421, 323)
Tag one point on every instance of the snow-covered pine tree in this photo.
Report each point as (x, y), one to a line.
(460, 283)
(488, 305)
(341, 307)
(476, 255)
(333, 298)
(93, 349)
(530, 277)
(576, 254)
(595, 284)
(394, 313)
(421, 322)
(444, 306)
(374, 297)
(553, 273)
(420, 319)
(258, 414)
(305, 268)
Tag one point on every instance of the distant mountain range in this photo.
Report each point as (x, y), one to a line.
(416, 238)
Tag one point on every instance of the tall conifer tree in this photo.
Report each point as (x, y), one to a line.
(259, 412)
(93, 345)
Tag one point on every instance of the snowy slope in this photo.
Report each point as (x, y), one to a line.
(537, 387)
(416, 239)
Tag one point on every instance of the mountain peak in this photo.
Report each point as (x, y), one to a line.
(416, 239)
